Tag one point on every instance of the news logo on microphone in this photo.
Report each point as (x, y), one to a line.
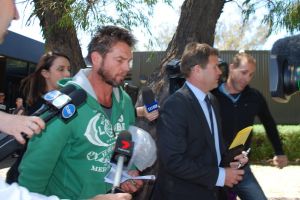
(149, 100)
(54, 99)
(124, 147)
(151, 107)
(64, 106)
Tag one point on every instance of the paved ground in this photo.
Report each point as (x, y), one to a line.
(278, 184)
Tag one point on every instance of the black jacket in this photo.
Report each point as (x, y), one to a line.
(188, 166)
(238, 115)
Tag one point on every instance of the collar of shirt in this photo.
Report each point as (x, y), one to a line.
(200, 95)
(223, 90)
(197, 92)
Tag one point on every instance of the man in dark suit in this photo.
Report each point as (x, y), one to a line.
(189, 134)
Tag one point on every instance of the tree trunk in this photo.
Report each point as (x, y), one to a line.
(197, 23)
(59, 37)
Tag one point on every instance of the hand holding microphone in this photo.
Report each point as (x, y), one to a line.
(14, 125)
(150, 108)
(121, 156)
(20, 126)
(62, 105)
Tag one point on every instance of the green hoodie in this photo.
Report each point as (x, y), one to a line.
(70, 160)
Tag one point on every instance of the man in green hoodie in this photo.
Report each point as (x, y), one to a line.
(70, 160)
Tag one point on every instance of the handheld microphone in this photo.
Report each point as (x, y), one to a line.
(121, 156)
(149, 100)
(52, 96)
(65, 106)
(65, 109)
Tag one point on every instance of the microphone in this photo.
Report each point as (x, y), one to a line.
(149, 100)
(284, 69)
(51, 96)
(121, 156)
(65, 109)
(65, 105)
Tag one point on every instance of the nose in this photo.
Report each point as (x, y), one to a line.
(126, 66)
(219, 71)
(67, 74)
(248, 78)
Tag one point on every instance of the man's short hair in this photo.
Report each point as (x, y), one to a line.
(106, 37)
(196, 54)
(237, 59)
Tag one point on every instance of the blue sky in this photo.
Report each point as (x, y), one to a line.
(163, 15)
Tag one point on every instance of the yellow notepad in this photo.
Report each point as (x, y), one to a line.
(241, 137)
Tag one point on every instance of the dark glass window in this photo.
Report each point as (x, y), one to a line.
(16, 68)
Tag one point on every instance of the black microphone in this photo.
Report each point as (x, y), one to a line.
(149, 100)
(284, 68)
(51, 96)
(121, 156)
(65, 106)
(64, 109)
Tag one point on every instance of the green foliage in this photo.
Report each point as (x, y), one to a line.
(292, 18)
(280, 14)
(89, 14)
(262, 149)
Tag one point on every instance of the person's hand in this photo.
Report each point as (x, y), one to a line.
(118, 196)
(142, 112)
(240, 160)
(16, 124)
(233, 176)
(132, 186)
(150, 115)
(280, 161)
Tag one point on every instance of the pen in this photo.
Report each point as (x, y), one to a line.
(245, 155)
(246, 152)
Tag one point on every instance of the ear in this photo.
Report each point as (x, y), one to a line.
(197, 68)
(95, 58)
(45, 73)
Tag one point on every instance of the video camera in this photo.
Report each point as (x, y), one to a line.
(176, 79)
(284, 68)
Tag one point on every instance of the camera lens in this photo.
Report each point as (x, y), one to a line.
(291, 78)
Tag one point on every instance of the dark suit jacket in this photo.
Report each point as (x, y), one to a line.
(188, 167)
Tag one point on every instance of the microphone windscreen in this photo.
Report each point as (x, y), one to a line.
(148, 95)
(78, 96)
(124, 135)
(123, 147)
(288, 47)
(67, 89)
(124, 143)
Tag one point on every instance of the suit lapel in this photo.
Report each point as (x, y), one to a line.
(200, 117)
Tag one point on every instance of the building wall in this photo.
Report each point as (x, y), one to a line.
(18, 57)
(144, 63)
